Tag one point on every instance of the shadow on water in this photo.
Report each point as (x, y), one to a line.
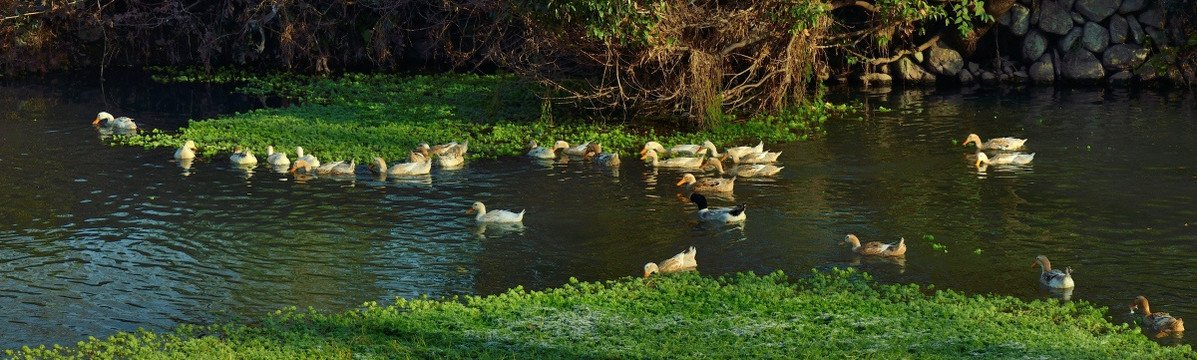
(95, 239)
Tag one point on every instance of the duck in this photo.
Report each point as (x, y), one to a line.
(707, 185)
(595, 153)
(452, 158)
(300, 168)
(337, 168)
(106, 122)
(754, 158)
(243, 157)
(1053, 278)
(538, 152)
(876, 248)
(684, 149)
(1004, 159)
(187, 151)
(579, 150)
(745, 170)
(495, 216)
(308, 158)
(727, 215)
(1002, 143)
(677, 162)
(1160, 322)
(683, 261)
(742, 151)
(379, 166)
(277, 159)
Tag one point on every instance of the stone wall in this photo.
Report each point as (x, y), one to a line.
(1118, 42)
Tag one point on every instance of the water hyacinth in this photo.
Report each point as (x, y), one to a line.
(360, 116)
(836, 314)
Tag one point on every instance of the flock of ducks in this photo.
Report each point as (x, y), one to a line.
(749, 161)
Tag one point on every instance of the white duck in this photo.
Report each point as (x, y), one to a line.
(1004, 159)
(683, 149)
(741, 151)
(337, 168)
(726, 215)
(579, 150)
(276, 159)
(1002, 143)
(495, 216)
(243, 157)
(1053, 278)
(187, 151)
(542, 152)
(678, 162)
(401, 169)
(683, 261)
(120, 124)
(452, 158)
(310, 159)
(745, 170)
(755, 158)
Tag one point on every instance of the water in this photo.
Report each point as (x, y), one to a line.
(96, 239)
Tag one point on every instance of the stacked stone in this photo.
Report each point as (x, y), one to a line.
(1073, 41)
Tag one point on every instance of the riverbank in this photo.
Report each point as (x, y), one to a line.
(837, 314)
(359, 116)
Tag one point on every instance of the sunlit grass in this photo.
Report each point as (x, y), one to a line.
(842, 314)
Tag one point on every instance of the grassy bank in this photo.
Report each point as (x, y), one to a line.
(361, 116)
(842, 314)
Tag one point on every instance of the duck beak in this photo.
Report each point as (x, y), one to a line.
(470, 211)
(644, 157)
(96, 121)
(680, 182)
(643, 150)
(978, 164)
(646, 274)
(1036, 263)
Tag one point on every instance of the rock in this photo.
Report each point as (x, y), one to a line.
(876, 79)
(1020, 76)
(974, 67)
(1077, 18)
(1136, 30)
(1033, 45)
(967, 78)
(918, 57)
(1065, 4)
(1020, 20)
(1054, 19)
(1080, 65)
(1118, 29)
(1121, 78)
(1004, 20)
(944, 61)
(1042, 71)
(1147, 72)
(1157, 37)
(1097, 10)
(988, 78)
(1095, 38)
(1123, 57)
(1130, 6)
(909, 72)
(1067, 41)
(1153, 16)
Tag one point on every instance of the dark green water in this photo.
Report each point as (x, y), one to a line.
(96, 239)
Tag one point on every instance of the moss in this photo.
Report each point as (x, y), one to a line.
(837, 314)
(365, 115)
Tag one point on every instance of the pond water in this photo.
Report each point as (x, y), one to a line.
(96, 239)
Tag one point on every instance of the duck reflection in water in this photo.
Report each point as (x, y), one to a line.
(497, 229)
(900, 261)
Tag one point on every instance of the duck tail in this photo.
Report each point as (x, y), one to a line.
(739, 210)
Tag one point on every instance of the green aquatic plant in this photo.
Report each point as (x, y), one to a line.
(359, 116)
(833, 314)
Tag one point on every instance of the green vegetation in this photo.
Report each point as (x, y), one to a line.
(840, 314)
(360, 116)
